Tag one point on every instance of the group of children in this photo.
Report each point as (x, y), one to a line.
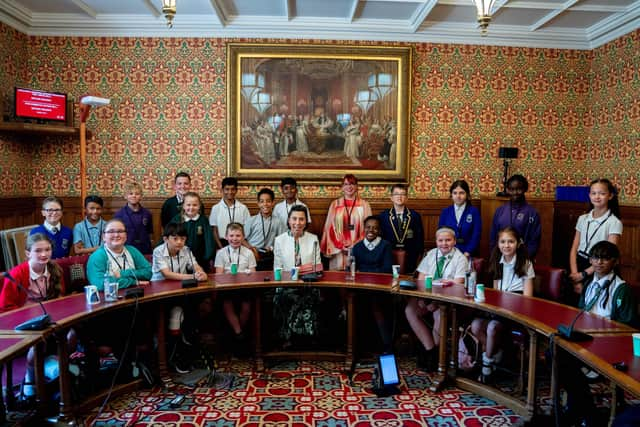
(276, 236)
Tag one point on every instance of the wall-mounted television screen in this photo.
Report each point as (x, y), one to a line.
(40, 105)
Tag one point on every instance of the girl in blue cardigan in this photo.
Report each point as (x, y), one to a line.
(462, 217)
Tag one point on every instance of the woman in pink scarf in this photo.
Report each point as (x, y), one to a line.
(344, 225)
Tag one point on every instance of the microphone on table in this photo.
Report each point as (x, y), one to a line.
(192, 282)
(568, 333)
(136, 291)
(315, 275)
(38, 323)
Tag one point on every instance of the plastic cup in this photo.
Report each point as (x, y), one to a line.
(395, 269)
(91, 294)
(428, 282)
(636, 345)
(111, 291)
(277, 274)
(479, 293)
(234, 268)
(295, 271)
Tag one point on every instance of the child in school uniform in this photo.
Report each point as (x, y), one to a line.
(227, 210)
(602, 222)
(242, 257)
(606, 295)
(59, 234)
(173, 260)
(402, 227)
(463, 217)
(41, 279)
(373, 255)
(289, 188)
(512, 271)
(445, 263)
(262, 230)
(137, 219)
(518, 214)
(87, 234)
(173, 205)
(199, 237)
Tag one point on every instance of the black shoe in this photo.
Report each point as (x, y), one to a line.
(427, 359)
(240, 346)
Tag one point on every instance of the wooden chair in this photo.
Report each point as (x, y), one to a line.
(548, 285)
(548, 282)
(74, 272)
(399, 257)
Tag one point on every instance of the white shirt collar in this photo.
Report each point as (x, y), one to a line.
(187, 219)
(460, 208)
(50, 227)
(373, 244)
(35, 276)
(600, 218)
(600, 280)
(510, 263)
(448, 255)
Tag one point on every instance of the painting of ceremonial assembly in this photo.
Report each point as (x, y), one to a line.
(319, 113)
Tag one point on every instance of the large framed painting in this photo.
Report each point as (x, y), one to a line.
(316, 112)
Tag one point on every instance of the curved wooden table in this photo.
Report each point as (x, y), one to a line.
(539, 317)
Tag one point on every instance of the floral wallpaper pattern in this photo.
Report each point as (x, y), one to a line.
(574, 115)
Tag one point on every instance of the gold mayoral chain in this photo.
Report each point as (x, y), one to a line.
(404, 226)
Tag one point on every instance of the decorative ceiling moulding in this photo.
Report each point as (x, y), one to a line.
(554, 25)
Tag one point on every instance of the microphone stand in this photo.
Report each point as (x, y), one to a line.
(38, 323)
(568, 333)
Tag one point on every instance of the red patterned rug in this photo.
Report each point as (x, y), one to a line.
(304, 394)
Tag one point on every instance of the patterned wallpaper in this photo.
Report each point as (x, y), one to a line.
(573, 114)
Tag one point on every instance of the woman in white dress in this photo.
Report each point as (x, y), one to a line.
(301, 135)
(352, 140)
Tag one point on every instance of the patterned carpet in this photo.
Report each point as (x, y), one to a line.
(303, 394)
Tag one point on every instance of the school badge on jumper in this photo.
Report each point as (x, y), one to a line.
(469, 218)
(520, 216)
(199, 230)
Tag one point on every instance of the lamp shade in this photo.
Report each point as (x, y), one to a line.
(484, 7)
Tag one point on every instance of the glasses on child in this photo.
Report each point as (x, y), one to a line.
(115, 231)
(52, 210)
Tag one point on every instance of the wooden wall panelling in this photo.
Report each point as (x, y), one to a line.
(564, 229)
(558, 222)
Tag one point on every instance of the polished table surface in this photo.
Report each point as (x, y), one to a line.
(605, 350)
(539, 315)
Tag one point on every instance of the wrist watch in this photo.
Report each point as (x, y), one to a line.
(584, 274)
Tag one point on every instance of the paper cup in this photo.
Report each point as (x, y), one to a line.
(277, 274)
(91, 294)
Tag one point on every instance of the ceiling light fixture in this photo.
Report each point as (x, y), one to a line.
(484, 13)
(169, 11)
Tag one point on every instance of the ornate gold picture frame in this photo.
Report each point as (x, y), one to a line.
(316, 112)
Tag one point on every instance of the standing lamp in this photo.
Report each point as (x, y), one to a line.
(506, 153)
(86, 102)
